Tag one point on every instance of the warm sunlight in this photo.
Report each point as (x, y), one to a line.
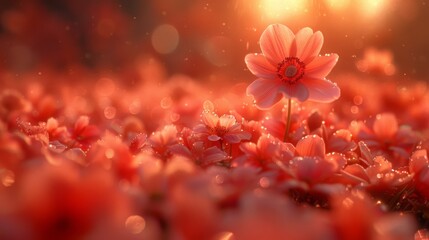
(283, 9)
(214, 120)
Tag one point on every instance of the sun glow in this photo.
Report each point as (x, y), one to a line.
(337, 5)
(372, 8)
(283, 9)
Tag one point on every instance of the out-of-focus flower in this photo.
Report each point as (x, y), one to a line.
(63, 202)
(264, 215)
(12, 104)
(195, 149)
(419, 165)
(367, 221)
(113, 154)
(377, 62)
(163, 139)
(422, 234)
(387, 138)
(290, 66)
(83, 133)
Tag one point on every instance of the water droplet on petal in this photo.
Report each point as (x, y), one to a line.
(166, 102)
(7, 177)
(109, 153)
(264, 182)
(110, 112)
(135, 224)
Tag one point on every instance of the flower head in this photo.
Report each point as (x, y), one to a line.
(290, 66)
(225, 128)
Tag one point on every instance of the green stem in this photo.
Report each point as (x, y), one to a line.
(289, 106)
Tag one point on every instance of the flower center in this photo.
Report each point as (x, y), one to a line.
(290, 70)
(220, 130)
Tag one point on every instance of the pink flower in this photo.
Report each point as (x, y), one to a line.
(224, 128)
(266, 151)
(290, 66)
(313, 165)
(377, 61)
(388, 138)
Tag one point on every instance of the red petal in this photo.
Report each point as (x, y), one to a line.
(259, 66)
(321, 90)
(385, 126)
(275, 43)
(307, 44)
(311, 146)
(321, 66)
(297, 90)
(265, 92)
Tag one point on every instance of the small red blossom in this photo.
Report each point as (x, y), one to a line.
(387, 138)
(195, 149)
(266, 151)
(312, 165)
(84, 133)
(225, 128)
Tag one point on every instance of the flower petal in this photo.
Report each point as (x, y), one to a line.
(321, 66)
(385, 126)
(307, 44)
(418, 161)
(227, 121)
(231, 138)
(259, 66)
(296, 90)
(210, 119)
(321, 90)
(214, 138)
(275, 43)
(311, 146)
(265, 92)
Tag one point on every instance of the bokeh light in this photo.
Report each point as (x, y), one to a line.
(165, 38)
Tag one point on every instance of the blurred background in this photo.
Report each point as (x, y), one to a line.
(205, 38)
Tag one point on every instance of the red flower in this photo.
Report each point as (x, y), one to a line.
(225, 128)
(313, 165)
(266, 151)
(419, 165)
(290, 66)
(387, 138)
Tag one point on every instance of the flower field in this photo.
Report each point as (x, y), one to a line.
(301, 150)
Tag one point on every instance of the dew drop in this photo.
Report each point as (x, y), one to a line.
(166, 102)
(218, 179)
(110, 112)
(135, 224)
(354, 109)
(264, 182)
(174, 117)
(7, 177)
(224, 236)
(357, 100)
(109, 153)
